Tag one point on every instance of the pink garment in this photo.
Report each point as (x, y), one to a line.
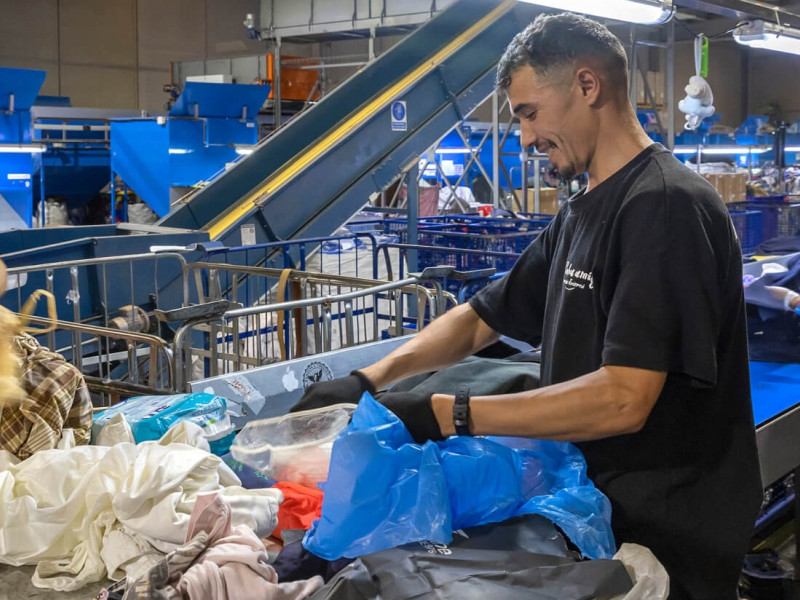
(234, 564)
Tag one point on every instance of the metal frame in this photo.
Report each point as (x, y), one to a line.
(493, 137)
(139, 349)
(289, 320)
(69, 280)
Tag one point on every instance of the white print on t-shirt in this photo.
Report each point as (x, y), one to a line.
(575, 278)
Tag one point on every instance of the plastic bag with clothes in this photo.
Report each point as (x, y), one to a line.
(383, 490)
(150, 417)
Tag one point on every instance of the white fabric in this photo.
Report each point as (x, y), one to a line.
(115, 431)
(87, 512)
(649, 576)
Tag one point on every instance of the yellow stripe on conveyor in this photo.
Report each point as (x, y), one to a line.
(313, 152)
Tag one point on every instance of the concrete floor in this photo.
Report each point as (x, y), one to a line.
(15, 584)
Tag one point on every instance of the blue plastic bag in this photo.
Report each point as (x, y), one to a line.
(383, 490)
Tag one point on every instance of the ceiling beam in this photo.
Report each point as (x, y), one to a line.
(788, 14)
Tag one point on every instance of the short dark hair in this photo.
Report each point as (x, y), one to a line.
(555, 41)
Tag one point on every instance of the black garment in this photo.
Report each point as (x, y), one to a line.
(295, 563)
(524, 558)
(645, 271)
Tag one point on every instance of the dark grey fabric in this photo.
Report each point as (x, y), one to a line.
(523, 558)
(484, 376)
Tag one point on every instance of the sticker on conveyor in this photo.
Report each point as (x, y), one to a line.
(252, 397)
(289, 380)
(315, 372)
(399, 116)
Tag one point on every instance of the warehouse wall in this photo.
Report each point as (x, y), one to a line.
(773, 80)
(116, 54)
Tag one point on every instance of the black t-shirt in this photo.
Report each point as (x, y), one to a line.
(645, 271)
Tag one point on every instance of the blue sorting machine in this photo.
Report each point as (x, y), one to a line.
(209, 126)
(48, 149)
(20, 157)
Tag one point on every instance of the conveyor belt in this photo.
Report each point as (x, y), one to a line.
(775, 389)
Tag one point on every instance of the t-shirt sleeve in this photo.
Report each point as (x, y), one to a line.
(665, 308)
(514, 304)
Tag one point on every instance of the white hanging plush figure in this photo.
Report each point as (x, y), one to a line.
(699, 101)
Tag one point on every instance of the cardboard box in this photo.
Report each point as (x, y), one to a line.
(548, 201)
(732, 187)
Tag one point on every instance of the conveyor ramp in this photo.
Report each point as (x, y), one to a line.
(316, 172)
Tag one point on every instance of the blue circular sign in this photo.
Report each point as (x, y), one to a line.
(399, 111)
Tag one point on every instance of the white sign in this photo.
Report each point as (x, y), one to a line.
(399, 116)
(248, 234)
(17, 176)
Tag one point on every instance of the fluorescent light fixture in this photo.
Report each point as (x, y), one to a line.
(453, 151)
(722, 150)
(179, 151)
(244, 150)
(642, 12)
(760, 34)
(792, 149)
(22, 148)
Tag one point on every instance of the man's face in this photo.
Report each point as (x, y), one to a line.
(552, 118)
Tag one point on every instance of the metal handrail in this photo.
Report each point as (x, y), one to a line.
(434, 298)
(156, 344)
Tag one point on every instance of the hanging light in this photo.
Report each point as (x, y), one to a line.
(642, 12)
(22, 148)
(760, 34)
(722, 150)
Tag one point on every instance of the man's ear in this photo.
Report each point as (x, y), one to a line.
(589, 84)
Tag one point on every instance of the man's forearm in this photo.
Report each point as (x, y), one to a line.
(610, 401)
(450, 338)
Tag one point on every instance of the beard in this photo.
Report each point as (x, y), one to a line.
(567, 171)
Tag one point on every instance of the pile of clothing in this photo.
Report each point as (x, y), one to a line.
(169, 519)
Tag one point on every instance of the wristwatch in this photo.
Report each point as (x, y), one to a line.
(461, 411)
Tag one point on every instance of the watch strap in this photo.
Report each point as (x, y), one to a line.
(461, 411)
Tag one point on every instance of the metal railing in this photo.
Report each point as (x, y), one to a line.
(259, 315)
(94, 289)
(116, 363)
(282, 314)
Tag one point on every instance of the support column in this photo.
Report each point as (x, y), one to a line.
(276, 83)
(670, 91)
(634, 69)
(412, 204)
(495, 149)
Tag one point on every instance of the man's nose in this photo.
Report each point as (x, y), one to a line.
(527, 137)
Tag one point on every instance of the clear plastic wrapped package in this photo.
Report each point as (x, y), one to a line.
(294, 447)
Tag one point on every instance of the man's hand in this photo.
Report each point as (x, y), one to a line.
(416, 413)
(345, 390)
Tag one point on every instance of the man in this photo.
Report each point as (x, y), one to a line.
(635, 293)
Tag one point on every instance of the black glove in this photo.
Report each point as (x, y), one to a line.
(336, 391)
(416, 412)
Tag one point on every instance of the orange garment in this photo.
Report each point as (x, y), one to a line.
(300, 507)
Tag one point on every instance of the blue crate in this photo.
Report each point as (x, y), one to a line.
(475, 240)
(778, 217)
(749, 228)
